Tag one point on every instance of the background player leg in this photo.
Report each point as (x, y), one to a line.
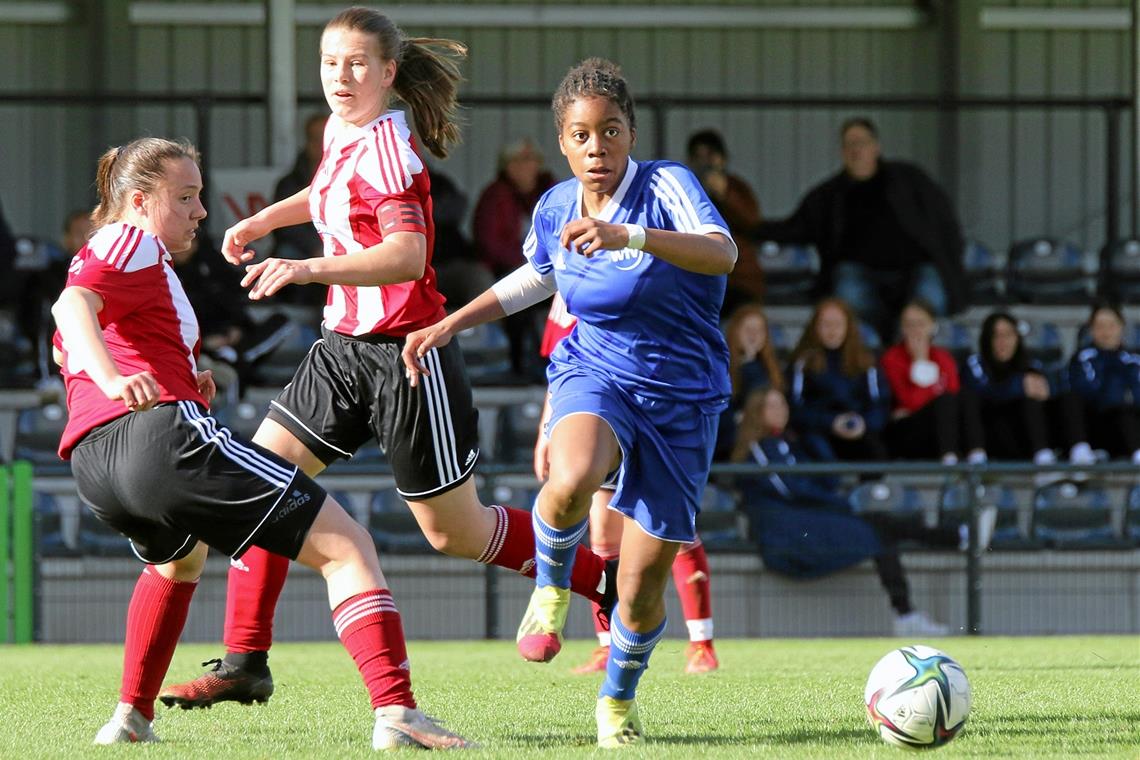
(605, 540)
(155, 618)
(635, 629)
(691, 577)
(583, 451)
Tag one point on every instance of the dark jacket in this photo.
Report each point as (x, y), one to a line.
(803, 525)
(993, 384)
(1105, 379)
(924, 212)
(299, 240)
(816, 399)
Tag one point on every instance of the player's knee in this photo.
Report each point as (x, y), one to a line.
(569, 490)
(445, 542)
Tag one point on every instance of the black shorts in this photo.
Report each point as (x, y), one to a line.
(171, 476)
(348, 390)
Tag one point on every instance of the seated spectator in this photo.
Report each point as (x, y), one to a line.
(460, 276)
(1011, 392)
(885, 232)
(927, 421)
(232, 341)
(1107, 379)
(734, 199)
(502, 220)
(76, 231)
(805, 526)
(751, 364)
(837, 393)
(301, 241)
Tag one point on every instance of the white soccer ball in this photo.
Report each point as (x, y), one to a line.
(917, 697)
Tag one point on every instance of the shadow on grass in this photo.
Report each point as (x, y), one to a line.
(842, 736)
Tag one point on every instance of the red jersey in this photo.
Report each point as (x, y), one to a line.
(147, 323)
(559, 324)
(905, 394)
(371, 183)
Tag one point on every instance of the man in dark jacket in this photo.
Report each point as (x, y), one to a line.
(885, 232)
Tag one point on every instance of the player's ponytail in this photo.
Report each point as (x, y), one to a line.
(138, 165)
(427, 74)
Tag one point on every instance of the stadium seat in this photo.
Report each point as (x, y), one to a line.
(38, 432)
(983, 274)
(886, 495)
(1132, 515)
(720, 526)
(517, 431)
(278, 366)
(1120, 270)
(1066, 516)
(1042, 341)
(872, 341)
(486, 352)
(959, 339)
(783, 339)
(1010, 530)
(393, 527)
(1046, 271)
(790, 272)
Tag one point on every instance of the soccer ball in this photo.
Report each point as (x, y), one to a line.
(917, 697)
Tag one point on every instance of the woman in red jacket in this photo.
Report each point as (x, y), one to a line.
(927, 420)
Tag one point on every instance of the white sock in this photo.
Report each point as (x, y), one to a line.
(950, 458)
(700, 630)
(1045, 456)
(977, 456)
(1136, 456)
(1081, 452)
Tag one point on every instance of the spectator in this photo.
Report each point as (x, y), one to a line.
(232, 342)
(927, 420)
(885, 232)
(752, 364)
(502, 220)
(837, 392)
(1107, 379)
(459, 274)
(76, 230)
(1011, 392)
(734, 199)
(805, 527)
(301, 241)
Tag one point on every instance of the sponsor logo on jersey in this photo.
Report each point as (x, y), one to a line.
(627, 258)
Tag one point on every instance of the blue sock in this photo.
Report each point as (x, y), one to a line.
(629, 657)
(554, 551)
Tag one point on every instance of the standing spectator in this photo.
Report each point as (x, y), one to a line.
(1011, 391)
(927, 421)
(300, 241)
(805, 526)
(1107, 379)
(460, 275)
(837, 391)
(734, 199)
(885, 232)
(502, 220)
(752, 364)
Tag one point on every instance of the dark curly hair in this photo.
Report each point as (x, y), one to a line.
(593, 78)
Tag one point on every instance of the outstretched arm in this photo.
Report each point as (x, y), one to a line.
(708, 253)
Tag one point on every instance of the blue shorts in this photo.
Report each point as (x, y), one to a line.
(666, 449)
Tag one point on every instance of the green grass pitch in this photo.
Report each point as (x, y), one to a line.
(1059, 697)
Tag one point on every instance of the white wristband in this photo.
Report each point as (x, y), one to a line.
(636, 236)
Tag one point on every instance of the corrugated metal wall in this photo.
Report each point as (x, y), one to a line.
(1019, 173)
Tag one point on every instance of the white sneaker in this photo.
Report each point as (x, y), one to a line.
(918, 624)
(1081, 453)
(398, 726)
(127, 725)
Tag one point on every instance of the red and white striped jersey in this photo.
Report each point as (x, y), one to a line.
(559, 323)
(371, 182)
(147, 323)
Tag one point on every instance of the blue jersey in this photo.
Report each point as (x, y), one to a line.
(653, 326)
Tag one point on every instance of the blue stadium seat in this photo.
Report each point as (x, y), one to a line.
(486, 352)
(720, 526)
(1066, 516)
(38, 432)
(959, 339)
(1046, 271)
(1042, 341)
(783, 338)
(1120, 270)
(1132, 515)
(392, 525)
(517, 431)
(983, 274)
(1008, 530)
(790, 272)
(871, 338)
(278, 367)
(885, 496)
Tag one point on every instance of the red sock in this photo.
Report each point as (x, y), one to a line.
(691, 576)
(252, 589)
(155, 618)
(512, 546)
(368, 625)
